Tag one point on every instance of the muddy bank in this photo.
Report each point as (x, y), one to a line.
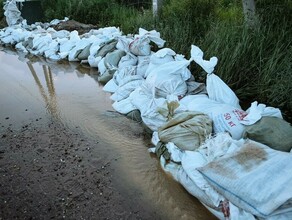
(49, 172)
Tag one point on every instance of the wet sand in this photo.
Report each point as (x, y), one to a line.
(50, 172)
(65, 153)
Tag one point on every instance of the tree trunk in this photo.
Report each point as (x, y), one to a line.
(249, 12)
(156, 5)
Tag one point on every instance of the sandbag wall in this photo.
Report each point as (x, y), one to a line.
(201, 134)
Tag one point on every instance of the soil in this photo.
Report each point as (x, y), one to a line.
(50, 172)
(72, 25)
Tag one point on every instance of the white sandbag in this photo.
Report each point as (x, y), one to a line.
(162, 56)
(143, 63)
(225, 118)
(95, 47)
(207, 65)
(52, 50)
(41, 40)
(140, 46)
(20, 47)
(255, 178)
(220, 92)
(94, 61)
(123, 73)
(169, 79)
(60, 34)
(101, 65)
(194, 183)
(11, 12)
(153, 35)
(123, 43)
(128, 60)
(190, 162)
(127, 86)
(256, 111)
(144, 101)
(80, 45)
(66, 45)
(124, 106)
(110, 86)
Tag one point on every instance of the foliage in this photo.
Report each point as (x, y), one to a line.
(1, 9)
(256, 63)
(185, 21)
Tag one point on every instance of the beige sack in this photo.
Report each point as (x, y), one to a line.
(187, 130)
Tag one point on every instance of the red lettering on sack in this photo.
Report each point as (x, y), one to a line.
(239, 114)
(227, 116)
(232, 124)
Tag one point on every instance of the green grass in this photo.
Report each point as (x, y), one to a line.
(255, 62)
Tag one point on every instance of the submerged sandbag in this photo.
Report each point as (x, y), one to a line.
(272, 131)
(187, 130)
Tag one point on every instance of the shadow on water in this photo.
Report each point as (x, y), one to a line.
(70, 93)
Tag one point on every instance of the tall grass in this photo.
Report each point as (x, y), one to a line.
(255, 62)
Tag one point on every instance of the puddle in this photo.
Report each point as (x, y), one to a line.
(71, 94)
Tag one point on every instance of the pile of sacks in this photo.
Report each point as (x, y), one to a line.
(236, 162)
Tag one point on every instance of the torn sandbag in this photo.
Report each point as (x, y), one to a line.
(187, 130)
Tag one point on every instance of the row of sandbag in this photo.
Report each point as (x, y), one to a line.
(160, 87)
(184, 115)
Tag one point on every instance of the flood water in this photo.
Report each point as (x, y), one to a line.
(71, 94)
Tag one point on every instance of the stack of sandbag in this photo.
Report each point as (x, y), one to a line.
(231, 159)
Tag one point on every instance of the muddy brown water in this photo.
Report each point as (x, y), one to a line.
(71, 94)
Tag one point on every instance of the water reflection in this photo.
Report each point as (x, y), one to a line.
(51, 101)
(70, 93)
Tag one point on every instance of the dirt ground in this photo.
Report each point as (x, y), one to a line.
(50, 172)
